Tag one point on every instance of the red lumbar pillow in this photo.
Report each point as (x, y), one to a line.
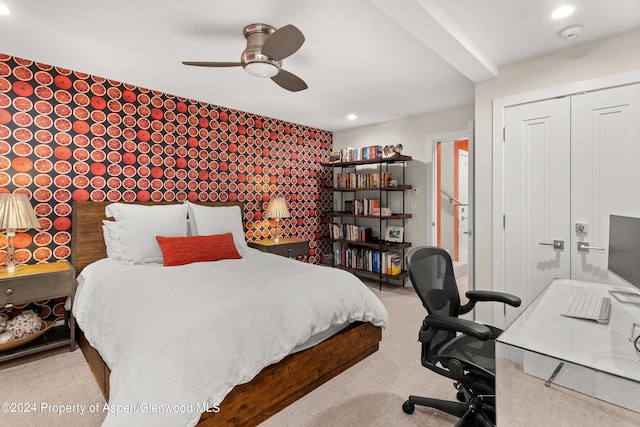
(185, 250)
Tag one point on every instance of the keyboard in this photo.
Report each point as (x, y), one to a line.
(589, 307)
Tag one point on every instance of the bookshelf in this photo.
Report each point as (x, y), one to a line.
(364, 191)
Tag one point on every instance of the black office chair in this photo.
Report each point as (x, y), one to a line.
(469, 357)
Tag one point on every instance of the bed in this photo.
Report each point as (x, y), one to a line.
(275, 386)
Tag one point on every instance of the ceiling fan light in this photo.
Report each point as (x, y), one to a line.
(261, 69)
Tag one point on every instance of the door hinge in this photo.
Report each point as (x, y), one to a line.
(504, 221)
(504, 134)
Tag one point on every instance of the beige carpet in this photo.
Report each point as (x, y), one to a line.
(371, 393)
(40, 387)
(368, 394)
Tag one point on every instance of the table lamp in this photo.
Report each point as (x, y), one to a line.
(15, 212)
(277, 210)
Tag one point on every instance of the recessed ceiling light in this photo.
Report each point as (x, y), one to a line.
(562, 12)
(352, 117)
(3, 10)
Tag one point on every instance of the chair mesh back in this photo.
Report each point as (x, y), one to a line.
(431, 272)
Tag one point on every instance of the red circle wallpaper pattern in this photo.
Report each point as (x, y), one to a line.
(67, 135)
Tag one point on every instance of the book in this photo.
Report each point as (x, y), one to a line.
(375, 265)
(365, 234)
(349, 206)
(396, 264)
(374, 205)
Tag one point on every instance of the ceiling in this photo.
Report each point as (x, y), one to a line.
(379, 59)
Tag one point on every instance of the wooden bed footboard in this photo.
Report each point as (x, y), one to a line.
(278, 385)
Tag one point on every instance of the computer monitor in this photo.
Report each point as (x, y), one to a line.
(624, 248)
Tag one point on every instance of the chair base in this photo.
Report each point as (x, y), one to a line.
(457, 409)
(470, 413)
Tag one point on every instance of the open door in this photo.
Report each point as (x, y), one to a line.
(451, 200)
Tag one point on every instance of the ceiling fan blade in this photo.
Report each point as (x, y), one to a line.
(289, 81)
(212, 64)
(283, 42)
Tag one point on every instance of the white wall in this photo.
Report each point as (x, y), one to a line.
(586, 61)
(412, 134)
(600, 58)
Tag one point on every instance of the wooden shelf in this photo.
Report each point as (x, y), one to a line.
(392, 216)
(57, 336)
(400, 276)
(398, 158)
(394, 188)
(375, 245)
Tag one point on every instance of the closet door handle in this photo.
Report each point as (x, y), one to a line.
(557, 244)
(584, 247)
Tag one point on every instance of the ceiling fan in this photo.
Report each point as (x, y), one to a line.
(266, 48)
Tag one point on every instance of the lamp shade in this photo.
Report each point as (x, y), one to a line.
(277, 208)
(16, 212)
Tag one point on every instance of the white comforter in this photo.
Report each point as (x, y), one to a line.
(178, 339)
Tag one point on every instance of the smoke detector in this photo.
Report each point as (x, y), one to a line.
(570, 32)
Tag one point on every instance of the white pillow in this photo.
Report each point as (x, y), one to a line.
(110, 231)
(207, 220)
(137, 227)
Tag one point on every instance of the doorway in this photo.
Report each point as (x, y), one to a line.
(451, 215)
(450, 202)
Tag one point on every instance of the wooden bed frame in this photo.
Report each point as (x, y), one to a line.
(276, 386)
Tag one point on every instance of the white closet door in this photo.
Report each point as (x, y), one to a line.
(605, 173)
(536, 195)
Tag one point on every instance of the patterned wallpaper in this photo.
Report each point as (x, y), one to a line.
(66, 135)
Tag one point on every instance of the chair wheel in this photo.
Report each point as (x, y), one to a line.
(460, 397)
(408, 407)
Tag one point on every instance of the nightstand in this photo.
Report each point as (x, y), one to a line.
(288, 247)
(37, 282)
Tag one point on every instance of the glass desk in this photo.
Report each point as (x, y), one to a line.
(542, 350)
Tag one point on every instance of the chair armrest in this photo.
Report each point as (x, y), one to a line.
(468, 327)
(475, 296)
